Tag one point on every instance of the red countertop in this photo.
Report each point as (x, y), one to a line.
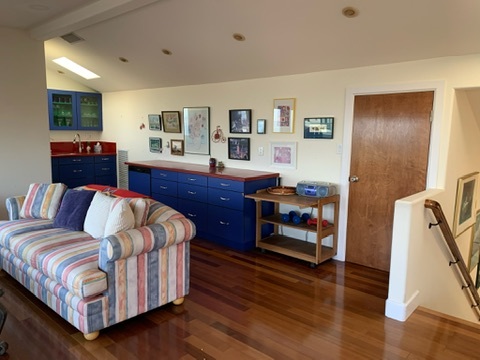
(68, 148)
(224, 173)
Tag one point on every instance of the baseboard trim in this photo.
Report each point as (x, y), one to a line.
(401, 311)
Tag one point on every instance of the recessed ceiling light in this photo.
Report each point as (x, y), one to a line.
(61, 72)
(74, 67)
(166, 52)
(349, 12)
(122, 59)
(239, 37)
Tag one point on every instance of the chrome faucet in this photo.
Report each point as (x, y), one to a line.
(77, 136)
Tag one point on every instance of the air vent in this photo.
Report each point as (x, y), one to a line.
(122, 169)
(72, 38)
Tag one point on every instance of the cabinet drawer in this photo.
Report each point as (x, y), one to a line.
(171, 201)
(225, 223)
(76, 171)
(192, 192)
(109, 180)
(225, 198)
(105, 169)
(195, 211)
(105, 159)
(192, 179)
(164, 174)
(76, 160)
(164, 187)
(226, 184)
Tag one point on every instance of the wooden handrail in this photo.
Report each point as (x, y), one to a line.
(455, 251)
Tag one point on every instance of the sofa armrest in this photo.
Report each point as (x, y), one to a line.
(14, 204)
(145, 239)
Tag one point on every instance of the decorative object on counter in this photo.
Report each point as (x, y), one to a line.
(318, 128)
(239, 148)
(283, 115)
(284, 154)
(89, 148)
(97, 148)
(177, 147)
(197, 130)
(212, 162)
(217, 135)
(241, 121)
(171, 121)
(282, 190)
(154, 122)
(155, 144)
(220, 165)
(261, 126)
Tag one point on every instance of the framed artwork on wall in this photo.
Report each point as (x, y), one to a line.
(284, 154)
(261, 126)
(155, 144)
(283, 115)
(465, 206)
(154, 122)
(475, 245)
(238, 148)
(241, 121)
(176, 147)
(196, 124)
(171, 121)
(318, 128)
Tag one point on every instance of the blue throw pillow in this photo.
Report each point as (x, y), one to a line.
(73, 209)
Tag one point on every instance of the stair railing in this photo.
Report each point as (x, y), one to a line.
(455, 252)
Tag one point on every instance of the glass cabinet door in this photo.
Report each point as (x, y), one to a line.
(62, 110)
(89, 111)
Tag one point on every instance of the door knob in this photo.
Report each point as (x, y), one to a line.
(353, 178)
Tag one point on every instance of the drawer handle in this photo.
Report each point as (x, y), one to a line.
(224, 198)
(163, 187)
(191, 179)
(75, 171)
(105, 169)
(225, 185)
(224, 223)
(76, 160)
(105, 159)
(192, 192)
(192, 215)
(162, 174)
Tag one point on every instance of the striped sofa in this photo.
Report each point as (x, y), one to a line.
(95, 283)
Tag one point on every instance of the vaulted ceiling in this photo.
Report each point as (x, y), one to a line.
(282, 37)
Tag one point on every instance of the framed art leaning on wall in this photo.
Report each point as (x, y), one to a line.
(465, 203)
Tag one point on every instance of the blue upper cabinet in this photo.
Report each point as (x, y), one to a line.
(70, 110)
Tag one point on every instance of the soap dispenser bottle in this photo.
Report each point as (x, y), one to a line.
(97, 148)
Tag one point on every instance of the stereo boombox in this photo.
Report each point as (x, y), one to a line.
(316, 188)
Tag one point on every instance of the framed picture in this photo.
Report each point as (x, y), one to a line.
(196, 124)
(154, 122)
(171, 121)
(155, 144)
(318, 128)
(261, 126)
(283, 115)
(465, 203)
(475, 244)
(284, 154)
(241, 121)
(239, 148)
(176, 147)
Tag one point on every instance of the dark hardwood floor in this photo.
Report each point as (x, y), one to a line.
(249, 306)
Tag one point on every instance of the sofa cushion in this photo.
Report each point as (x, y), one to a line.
(97, 215)
(140, 208)
(42, 201)
(73, 209)
(67, 257)
(120, 217)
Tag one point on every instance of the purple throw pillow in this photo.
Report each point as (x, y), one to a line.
(73, 209)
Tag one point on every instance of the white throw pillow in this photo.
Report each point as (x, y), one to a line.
(97, 215)
(120, 218)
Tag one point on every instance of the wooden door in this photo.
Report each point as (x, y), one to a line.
(390, 142)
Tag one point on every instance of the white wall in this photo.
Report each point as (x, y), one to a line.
(24, 135)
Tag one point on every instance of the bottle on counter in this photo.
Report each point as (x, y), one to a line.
(97, 148)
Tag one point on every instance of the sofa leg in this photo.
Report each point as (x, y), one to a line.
(91, 336)
(179, 301)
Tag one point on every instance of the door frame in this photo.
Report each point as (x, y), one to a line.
(438, 87)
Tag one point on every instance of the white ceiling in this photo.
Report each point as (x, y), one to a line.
(283, 37)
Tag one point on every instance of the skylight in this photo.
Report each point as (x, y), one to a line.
(74, 67)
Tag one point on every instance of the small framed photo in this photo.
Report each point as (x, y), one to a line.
(241, 121)
(239, 148)
(465, 203)
(196, 125)
(155, 144)
(283, 115)
(154, 122)
(284, 154)
(176, 147)
(261, 126)
(171, 121)
(318, 128)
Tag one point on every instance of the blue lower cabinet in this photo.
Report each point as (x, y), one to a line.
(171, 201)
(195, 211)
(227, 227)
